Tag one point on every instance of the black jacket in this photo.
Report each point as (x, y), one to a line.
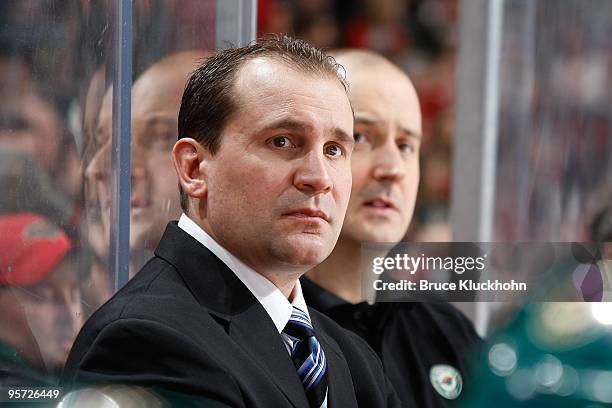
(410, 338)
(186, 324)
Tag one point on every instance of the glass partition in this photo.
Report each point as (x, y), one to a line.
(534, 134)
(89, 98)
(554, 172)
(56, 64)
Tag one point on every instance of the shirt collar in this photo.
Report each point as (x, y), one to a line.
(271, 298)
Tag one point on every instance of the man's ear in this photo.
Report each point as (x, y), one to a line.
(190, 160)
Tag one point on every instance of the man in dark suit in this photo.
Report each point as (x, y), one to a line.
(217, 317)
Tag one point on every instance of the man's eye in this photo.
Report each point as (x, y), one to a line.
(406, 147)
(281, 142)
(333, 150)
(360, 137)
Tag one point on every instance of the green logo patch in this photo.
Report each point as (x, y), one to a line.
(446, 380)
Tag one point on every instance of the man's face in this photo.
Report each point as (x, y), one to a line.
(52, 310)
(155, 200)
(97, 193)
(385, 161)
(279, 185)
(156, 99)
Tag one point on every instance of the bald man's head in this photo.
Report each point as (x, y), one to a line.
(162, 84)
(156, 98)
(385, 162)
(361, 58)
(367, 66)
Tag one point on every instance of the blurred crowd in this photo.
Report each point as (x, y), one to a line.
(56, 71)
(555, 120)
(56, 107)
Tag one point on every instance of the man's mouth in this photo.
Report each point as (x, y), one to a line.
(139, 202)
(140, 208)
(308, 214)
(380, 203)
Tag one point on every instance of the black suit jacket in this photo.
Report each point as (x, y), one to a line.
(185, 324)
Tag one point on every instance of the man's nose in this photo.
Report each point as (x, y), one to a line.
(99, 166)
(312, 175)
(139, 164)
(388, 163)
(139, 170)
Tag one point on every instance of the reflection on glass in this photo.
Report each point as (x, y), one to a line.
(39, 298)
(170, 39)
(56, 76)
(45, 52)
(555, 138)
(156, 97)
(57, 60)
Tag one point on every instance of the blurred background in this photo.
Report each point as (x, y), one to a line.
(516, 98)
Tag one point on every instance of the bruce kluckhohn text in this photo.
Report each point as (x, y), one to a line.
(424, 285)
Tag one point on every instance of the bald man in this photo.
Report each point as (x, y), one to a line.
(156, 98)
(423, 347)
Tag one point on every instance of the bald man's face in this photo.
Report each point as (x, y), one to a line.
(385, 162)
(156, 100)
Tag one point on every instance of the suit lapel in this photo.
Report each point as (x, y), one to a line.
(341, 392)
(255, 332)
(226, 298)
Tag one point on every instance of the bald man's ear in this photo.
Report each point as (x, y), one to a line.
(190, 161)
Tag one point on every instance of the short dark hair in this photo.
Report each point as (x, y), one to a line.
(209, 97)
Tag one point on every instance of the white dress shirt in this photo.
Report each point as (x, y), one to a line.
(271, 298)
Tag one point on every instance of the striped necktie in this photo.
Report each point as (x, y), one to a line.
(308, 358)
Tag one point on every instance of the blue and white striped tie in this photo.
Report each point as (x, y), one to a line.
(308, 358)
